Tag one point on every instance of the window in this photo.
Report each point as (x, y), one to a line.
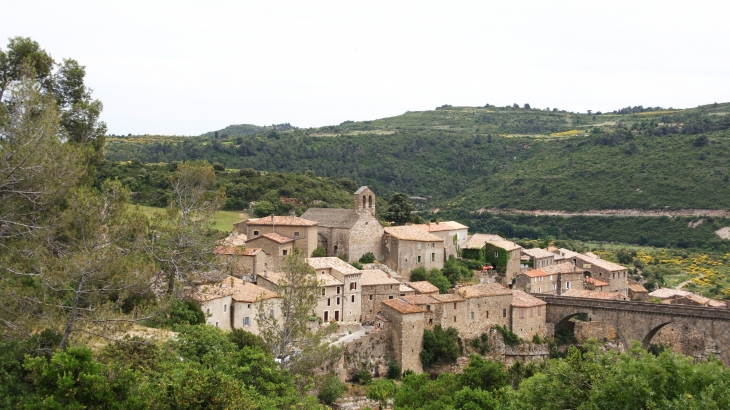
(283, 252)
(454, 318)
(338, 300)
(418, 259)
(555, 286)
(353, 285)
(247, 321)
(338, 290)
(487, 314)
(390, 297)
(271, 312)
(522, 313)
(551, 277)
(504, 312)
(433, 257)
(419, 246)
(428, 307)
(496, 254)
(472, 315)
(430, 321)
(255, 233)
(352, 298)
(216, 324)
(328, 302)
(296, 234)
(225, 307)
(207, 311)
(454, 305)
(371, 297)
(323, 290)
(249, 306)
(567, 285)
(326, 315)
(539, 310)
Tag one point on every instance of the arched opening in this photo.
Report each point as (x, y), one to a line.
(586, 274)
(681, 337)
(565, 328)
(370, 201)
(647, 339)
(363, 202)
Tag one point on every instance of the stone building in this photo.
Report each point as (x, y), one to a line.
(406, 290)
(242, 262)
(474, 246)
(276, 247)
(487, 305)
(350, 279)
(376, 287)
(353, 232)
(551, 279)
(505, 257)
(638, 292)
(670, 296)
(593, 294)
(234, 304)
(406, 327)
(428, 303)
(539, 258)
(614, 274)
(596, 284)
(528, 315)
(451, 311)
(301, 231)
(407, 247)
(453, 233)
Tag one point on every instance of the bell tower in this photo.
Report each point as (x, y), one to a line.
(364, 200)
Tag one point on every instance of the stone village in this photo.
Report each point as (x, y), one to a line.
(382, 315)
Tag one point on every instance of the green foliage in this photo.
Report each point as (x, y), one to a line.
(440, 346)
(487, 375)
(481, 343)
(399, 209)
(434, 277)
(536, 339)
(510, 338)
(179, 312)
(319, 252)
(363, 376)
(497, 257)
(367, 258)
(242, 339)
(357, 265)
(456, 270)
(332, 389)
(380, 391)
(263, 208)
(393, 370)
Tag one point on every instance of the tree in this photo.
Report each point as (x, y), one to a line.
(399, 209)
(367, 258)
(290, 339)
(319, 252)
(182, 244)
(381, 391)
(264, 208)
(440, 346)
(487, 375)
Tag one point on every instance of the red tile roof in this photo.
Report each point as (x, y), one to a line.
(281, 220)
(487, 289)
(402, 306)
(423, 287)
(522, 299)
(236, 250)
(599, 283)
(273, 236)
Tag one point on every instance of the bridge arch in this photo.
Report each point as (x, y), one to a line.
(647, 339)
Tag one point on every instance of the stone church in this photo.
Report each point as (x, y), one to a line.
(354, 232)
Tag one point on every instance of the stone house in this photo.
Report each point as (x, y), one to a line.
(638, 292)
(242, 262)
(474, 246)
(428, 303)
(450, 311)
(453, 233)
(539, 258)
(301, 231)
(407, 247)
(275, 246)
(551, 279)
(593, 294)
(234, 304)
(406, 290)
(353, 232)
(406, 326)
(423, 288)
(528, 315)
(505, 257)
(670, 296)
(487, 305)
(350, 279)
(596, 284)
(614, 274)
(376, 287)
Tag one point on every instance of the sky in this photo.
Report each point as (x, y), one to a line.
(189, 67)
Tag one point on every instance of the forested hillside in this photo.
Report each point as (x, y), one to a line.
(508, 157)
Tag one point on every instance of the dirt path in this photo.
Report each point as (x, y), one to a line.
(681, 285)
(614, 212)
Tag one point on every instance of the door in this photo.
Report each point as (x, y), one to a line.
(337, 315)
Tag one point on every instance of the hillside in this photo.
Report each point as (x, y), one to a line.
(490, 157)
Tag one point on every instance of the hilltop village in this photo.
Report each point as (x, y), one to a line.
(377, 299)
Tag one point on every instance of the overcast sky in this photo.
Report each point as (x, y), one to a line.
(185, 68)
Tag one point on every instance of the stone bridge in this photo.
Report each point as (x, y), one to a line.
(641, 321)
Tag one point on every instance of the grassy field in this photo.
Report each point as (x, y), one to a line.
(223, 220)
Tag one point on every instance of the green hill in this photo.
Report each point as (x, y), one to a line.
(467, 158)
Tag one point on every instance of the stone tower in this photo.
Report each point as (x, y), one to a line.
(365, 200)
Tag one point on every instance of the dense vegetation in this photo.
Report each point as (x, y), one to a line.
(469, 158)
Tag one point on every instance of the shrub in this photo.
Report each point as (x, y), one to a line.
(331, 390)
(357, 265)
(180, 312)
(510, 339)
(393, 370)
(363, 377)
(440, 346)
(319, 252)
(367, 258)
(536, 339)
(242, 338)
(381, 391)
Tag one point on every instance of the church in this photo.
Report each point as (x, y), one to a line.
(352, 232)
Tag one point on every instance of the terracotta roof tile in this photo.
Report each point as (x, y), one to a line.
(637, 288)
(522, 299)
(405, 289)
(324, 279)
(419, 299)
(273, 236)
(236, 250)
(506, 245)
(538, 253)
(411, 233)
(332, 262)
(478, 240)
(281, 220)
(603, 264)
(591, 294)
(332, 217)
(374, 277)
(448, 298)
(248, 292)
(597, 282)
(441, 226)
(565, 267)
(665, 293)
(487, 289)
(402, 306)
(423, 287)
(238, 289)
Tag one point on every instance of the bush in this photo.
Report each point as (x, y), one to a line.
(263, 208)
(510, 339)
(363, 377)
(419, 274)
(536, 339)
(357, 265)
(393, 370)
(367, 258)
(319, 252)
(180, 312)
(331, 390)
(381, 391)
(440, 346)
(242, 338)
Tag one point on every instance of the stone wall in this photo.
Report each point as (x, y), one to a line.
(528, 321)
(372, 353)
(365, 236)
(407, 338)
(599, 330)
(371, 297)
(402, 255)
(487, 311)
